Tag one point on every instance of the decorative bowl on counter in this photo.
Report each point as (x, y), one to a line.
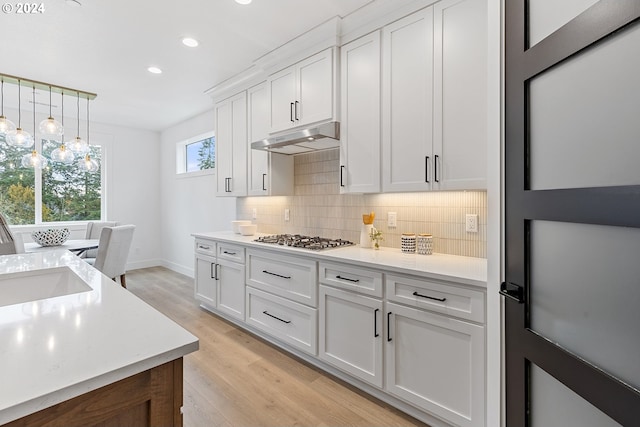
(248, 229)
(51, 236)
(235, 225)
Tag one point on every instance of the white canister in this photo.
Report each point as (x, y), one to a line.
(424, 244)
(408, 243)
(365, 235)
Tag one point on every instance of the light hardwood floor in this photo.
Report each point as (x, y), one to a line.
(237, 379)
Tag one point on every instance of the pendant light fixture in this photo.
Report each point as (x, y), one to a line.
(50, 128)
(6, 125)
(33, 159)
(88, 164)
(78, 145)
(62, 154)
(19, 137)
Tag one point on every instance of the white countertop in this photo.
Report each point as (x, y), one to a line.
(467, 270)
(58, 348)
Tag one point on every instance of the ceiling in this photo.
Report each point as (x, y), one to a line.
(105, 47)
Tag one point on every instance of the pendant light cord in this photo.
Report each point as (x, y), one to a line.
(87, 122)
(50, 102)
(2, 96)
(62, 108)
(78, 112)
(34, 114)
(19, 105)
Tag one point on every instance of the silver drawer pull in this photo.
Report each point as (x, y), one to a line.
(275, 317)
(276, 274)
(346, 278)
(425, 296)
(229, 253)
(204, 247)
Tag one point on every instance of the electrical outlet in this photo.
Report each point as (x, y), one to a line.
(286, 215)
(254, 215)
(392, 219)
(471, 222)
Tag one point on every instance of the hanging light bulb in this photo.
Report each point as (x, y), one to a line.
(6, 125)
(62, 154)
(50, 128)
(33, 159)
(78, 145)
(87, 164)
(95, 165)
(19, 137)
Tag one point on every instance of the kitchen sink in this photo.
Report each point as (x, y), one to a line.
(16, 288)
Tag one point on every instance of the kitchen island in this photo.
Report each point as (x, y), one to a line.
(78, 349)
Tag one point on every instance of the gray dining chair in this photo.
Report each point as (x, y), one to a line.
(113, 252)
(94, 228)
(9, 243)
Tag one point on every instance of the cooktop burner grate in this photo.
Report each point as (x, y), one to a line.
(304, 242)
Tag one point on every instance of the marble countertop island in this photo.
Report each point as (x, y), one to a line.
(66, 330)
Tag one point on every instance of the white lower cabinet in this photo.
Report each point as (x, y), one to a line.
(351, 333)
(418, 340)
(206, 284)
(219, 277)
(290, 322)
(231, 288)
(436, 363)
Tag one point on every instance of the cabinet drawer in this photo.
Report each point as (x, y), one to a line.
(288, 321)
(436, 296)
(288, 276)
(231, 252)
(357, 279)
(205, 247)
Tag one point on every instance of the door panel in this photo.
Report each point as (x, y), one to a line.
(584, 118)
(546, 16)
(579, 296)
(572, 199)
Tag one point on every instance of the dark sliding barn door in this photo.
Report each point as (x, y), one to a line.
(572, 213)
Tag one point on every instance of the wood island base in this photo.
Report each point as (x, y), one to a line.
(150, 398)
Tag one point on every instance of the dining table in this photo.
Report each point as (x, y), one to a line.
(77, 246)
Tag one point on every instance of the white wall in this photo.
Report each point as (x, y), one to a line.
(188, 204)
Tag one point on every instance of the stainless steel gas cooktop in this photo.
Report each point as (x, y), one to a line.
(303, 242)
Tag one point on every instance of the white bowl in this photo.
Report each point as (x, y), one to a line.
(51, 236)
(235, 225)
(248, 229)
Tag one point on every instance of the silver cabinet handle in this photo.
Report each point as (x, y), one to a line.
(204, 247)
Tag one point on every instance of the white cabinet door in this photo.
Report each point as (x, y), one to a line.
(258, 119)
(231, 146)
(460, 94)
(314, 102)
(270, 174)
(437, 363)
(350, 333)
(407, 100)
(303, 93)
(231, 292)
(282, 91)
(205, 279)
(360, 115)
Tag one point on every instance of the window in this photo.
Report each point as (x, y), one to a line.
(196, 154)
(57, 193)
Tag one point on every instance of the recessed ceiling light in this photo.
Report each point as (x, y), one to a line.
(154, 70)
(243, 1)
(188, 41)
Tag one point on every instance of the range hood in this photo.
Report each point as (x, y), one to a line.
(318, 137)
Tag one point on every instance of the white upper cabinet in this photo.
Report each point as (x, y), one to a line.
(460, 95)
(434, 99)
(360, 112)
(303, 93)
(407, 103)
(270, 174)
(231, 146)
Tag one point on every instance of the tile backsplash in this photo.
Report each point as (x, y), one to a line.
(317, 208)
